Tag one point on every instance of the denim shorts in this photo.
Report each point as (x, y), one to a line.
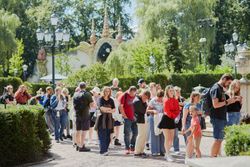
(218, 128)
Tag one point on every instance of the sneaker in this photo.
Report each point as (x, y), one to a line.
(117, 143)
(61, 138)
(169, 158)
(147, 146)
(177, 152)
(77, 148)
(127, 152)
(144, 155)
(69, 137)
(137, 155)
(155, 154)
(84, 149)
(186, 159)
(162, 154)
(57, 141)
(105, 154)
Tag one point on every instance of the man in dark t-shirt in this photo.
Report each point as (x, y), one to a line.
(218, 111)
(82, 102)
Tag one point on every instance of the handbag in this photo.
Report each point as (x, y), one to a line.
(203, 123)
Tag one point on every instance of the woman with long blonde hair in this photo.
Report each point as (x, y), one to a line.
(171, 111)
(233, 110)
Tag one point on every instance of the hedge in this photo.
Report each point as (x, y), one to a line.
(185, 81)
(237, 140)
(4, 81)
(24, 137)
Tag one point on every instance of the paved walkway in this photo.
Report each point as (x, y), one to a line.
(65, 156)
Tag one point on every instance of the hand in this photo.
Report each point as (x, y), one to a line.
(189, 138)
(183, 131)
(231, 100)
(124, 116)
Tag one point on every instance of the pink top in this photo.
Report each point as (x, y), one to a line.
(196, 122)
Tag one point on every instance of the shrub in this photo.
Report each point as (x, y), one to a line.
(237, 139)
(185, 81)
(24, 137)
(15, 82)
(34, 87)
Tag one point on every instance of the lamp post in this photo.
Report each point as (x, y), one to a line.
(232, 48)
(25, 68)
(203, 42)
(204, 24)
(54, 38)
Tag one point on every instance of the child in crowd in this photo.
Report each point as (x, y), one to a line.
(194, 140)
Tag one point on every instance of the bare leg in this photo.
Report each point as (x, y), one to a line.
(91, 131)
(216, 148)
(169, 137)
(197, 142)
(83, 136)
(78, 138)
(190, 147)
(117, 132)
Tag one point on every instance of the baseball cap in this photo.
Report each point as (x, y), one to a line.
(140, 81)
(96, 90)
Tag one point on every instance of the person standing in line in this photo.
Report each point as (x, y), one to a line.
(127, 111)
(65, 93)
(178, 121)
(218, 114)
(167, 124)
(73, 116)
(48, 109)
(194, 139)
(58, 103)
(118, 119)
(82, 102)
(93, 112)
(155, 109)
(115, 89)
(233, 110)
(140, 107)
(21, 95)
(105, 122)
(186, 118)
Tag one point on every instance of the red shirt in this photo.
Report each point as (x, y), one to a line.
(22, 98)
(196, 122)
(171, 108)
(127, 102)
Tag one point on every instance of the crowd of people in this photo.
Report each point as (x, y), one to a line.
(152, 117)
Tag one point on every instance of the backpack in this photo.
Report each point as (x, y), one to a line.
(78, 102)
(206, 102)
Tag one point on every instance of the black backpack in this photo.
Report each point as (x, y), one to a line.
(78, 102)
(206, 101)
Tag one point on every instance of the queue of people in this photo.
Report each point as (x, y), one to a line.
(153, 118)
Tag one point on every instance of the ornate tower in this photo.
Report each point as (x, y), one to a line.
(93, 34)
(119, 35)
(105, 31)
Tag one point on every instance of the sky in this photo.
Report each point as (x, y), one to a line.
(131, 10)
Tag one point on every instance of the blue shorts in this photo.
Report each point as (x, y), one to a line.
(218, 128)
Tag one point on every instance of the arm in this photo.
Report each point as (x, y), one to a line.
(122, 102)
(17, 95)
(184, 118)
(150, 110)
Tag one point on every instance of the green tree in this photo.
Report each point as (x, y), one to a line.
(174, 56)
(16, 61)
(8, 24)
(62, 64)
(94, 75)
(230, 15)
